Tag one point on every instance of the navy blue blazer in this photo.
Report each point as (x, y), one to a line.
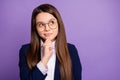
(35, 73)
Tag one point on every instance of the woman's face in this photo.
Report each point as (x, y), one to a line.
(47, 26)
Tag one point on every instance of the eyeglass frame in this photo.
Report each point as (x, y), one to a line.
(49, 24)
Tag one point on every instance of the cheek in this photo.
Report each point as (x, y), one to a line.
(55, 33)
(39, 32)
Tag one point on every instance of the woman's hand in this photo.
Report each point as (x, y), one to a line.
(47, 51)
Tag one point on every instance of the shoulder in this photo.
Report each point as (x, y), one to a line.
(70, 45)
(73, 52)
(71, 48)
(24, 48)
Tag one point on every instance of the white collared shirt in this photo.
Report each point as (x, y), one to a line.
(50, 65)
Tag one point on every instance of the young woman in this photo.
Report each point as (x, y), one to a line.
(48, 56)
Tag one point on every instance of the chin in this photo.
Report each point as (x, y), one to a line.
(49, 37)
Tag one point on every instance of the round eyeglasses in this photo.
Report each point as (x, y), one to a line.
(52, 24)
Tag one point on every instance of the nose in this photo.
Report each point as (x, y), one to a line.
(47, 28)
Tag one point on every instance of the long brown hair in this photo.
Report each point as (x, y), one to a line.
(33, 54)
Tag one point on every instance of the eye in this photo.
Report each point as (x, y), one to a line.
(40, 24)
(52, 22)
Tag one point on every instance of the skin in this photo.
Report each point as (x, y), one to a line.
(48, 35)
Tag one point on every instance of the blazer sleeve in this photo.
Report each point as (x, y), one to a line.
(76, 64)
(25, 72)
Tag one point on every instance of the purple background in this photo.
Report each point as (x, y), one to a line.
(92, 25)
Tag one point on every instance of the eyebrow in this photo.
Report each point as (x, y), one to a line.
(43, 22)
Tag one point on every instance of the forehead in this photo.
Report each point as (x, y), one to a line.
(44, 17)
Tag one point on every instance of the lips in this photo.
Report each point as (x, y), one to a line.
(47, 34)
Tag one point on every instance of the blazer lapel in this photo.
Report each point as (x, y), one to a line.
(57, 71)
